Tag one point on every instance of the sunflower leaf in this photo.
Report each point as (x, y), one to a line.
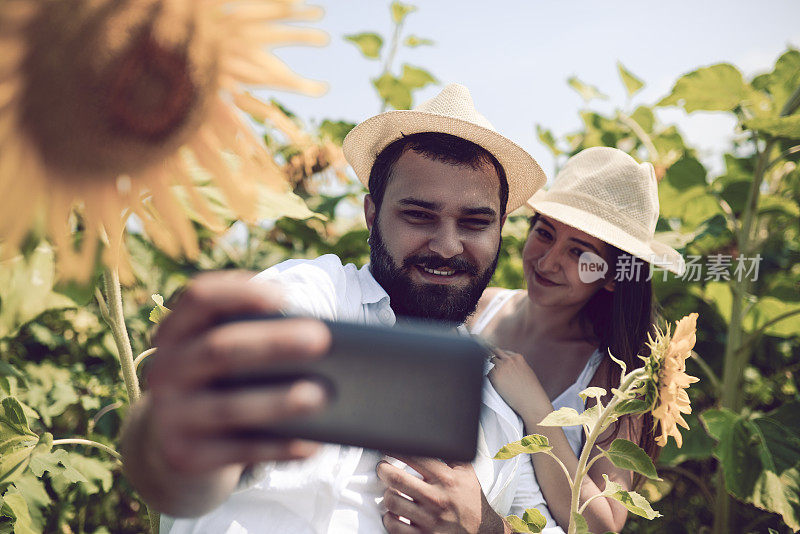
(527, 445)
(627, 455)
(368, 43)
(631, 82)
(634, 502)
(159, 312)
(581, 527)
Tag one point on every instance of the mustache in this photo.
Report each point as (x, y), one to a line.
(432, 261)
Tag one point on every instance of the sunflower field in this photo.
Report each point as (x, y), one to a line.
(233, 181)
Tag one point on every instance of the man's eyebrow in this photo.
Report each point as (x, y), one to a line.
(480, 211)
(409, 201)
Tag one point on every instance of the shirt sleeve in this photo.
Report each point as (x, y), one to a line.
(313, 288)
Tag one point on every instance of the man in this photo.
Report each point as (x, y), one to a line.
(441, 181)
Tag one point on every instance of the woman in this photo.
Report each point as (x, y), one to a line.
(588, 293)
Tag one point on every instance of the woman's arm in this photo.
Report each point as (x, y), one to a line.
(517, 383)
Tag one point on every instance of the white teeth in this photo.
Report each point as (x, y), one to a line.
(438, 272)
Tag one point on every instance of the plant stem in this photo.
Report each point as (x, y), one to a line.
(710, 374)
(116, 320)
(641, 134)
(111, 308)
(90, 443)
(582, 468)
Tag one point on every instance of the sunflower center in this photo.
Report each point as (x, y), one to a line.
(114, 86)
(151, 92)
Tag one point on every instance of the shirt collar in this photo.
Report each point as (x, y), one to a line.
(371, 291)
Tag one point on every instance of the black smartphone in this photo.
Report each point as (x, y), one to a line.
(409, 389)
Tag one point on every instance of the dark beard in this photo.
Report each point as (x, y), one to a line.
(427, 302)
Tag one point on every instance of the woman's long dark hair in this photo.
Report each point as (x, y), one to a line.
(619, 322)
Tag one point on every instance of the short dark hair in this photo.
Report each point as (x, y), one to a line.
(438, 147)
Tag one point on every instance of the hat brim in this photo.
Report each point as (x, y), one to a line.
(364, 142)
(651, 251)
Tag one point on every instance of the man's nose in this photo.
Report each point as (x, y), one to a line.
(446, 242)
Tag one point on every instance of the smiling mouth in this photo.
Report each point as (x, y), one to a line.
(544, 281)
(439, 272)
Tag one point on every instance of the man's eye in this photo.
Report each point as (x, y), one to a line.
(544, 234)
(476, 223)
(419, 215)
(577, 252)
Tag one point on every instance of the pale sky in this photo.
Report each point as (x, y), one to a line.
(515, 57)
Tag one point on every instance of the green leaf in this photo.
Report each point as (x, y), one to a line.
(581, 527)
(776, 126)
(547, 138)
(527, 445)
(759, 458)
(534, 519)
(13, 420)
(631, 406)
(697, 444)
(592, 392)
(644, 116)
(634, 502)
(26, 289)
(400, 11)
(587, 92)
(518, 525)
(19, 510)
(685, 173)
(716, 88)
(567, 417)
(368, 43)
(416, 78)
(159, 312)
(393, 91)
(335, 131)
(632, 83)
(782, 81)
(413, 41)
(627, 455)
(15, 462)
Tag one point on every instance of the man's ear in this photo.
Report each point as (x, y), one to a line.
(369, 211)
(503, 221)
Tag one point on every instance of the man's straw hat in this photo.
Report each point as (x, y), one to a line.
(606, 193)
(451, 112)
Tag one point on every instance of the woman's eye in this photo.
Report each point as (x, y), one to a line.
(544, 234)
(577, 252)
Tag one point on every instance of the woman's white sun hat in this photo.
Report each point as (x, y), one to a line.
(452, 112)
(604, 192)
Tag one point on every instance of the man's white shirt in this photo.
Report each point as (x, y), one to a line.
(337, 491)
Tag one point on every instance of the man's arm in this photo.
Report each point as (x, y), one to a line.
(177, 445)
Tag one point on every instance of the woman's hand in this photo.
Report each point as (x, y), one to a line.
(513, 379)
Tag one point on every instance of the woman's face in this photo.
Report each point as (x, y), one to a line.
(555, 272)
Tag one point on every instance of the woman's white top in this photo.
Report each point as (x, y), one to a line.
(528, 488)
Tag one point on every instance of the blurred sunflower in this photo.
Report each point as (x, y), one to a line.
(668, 380)
(105, 105)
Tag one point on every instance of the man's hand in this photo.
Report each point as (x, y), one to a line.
(179, 447)
(448, 499)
